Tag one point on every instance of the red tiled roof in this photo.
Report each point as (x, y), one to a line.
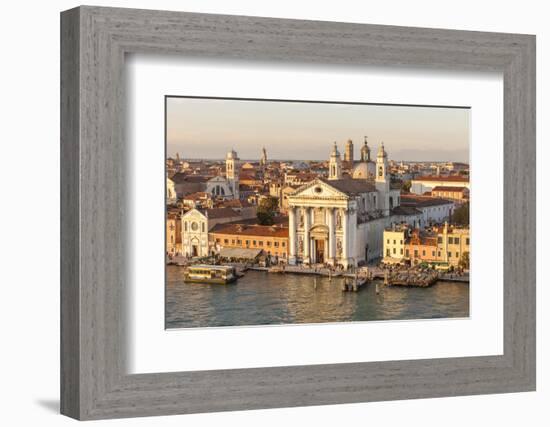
(215, 213)
(172, 215)
(251, 230)
(247, 175)
(181, 177)
(197, 195)
(447, 188)
(234, 203)
(278, 220)
(451, 178)
(422, 241)
(303, 176)
(422, 201)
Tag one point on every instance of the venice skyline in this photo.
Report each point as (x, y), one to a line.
(339, 217)
(201, 128)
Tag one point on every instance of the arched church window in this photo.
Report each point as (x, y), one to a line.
(222, 191)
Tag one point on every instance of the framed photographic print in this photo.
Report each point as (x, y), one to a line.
(296, 231)
(262, 213)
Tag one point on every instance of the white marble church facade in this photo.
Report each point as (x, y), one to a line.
(341, 221)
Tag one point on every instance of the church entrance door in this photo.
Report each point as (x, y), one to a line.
(319, 251)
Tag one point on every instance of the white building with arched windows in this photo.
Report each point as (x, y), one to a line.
(226, 187)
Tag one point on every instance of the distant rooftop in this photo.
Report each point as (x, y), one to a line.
(417, 201)
(450, 178)
(447, 188)
(234, 203)
(180, 178)
(197, 196)
(405, 210)
(216, 213)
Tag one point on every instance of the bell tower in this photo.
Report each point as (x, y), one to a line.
(232, 172)
(348, 153)
(382, 180)
(263, 159)
(335, 164)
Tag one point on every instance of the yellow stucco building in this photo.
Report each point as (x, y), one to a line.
(173, 233)
(271, 239)
(442, 245)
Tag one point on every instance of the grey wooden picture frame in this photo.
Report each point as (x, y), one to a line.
(94, 42)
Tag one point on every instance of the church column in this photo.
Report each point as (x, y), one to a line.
(345, 240)
(307, 222)
(331, 237)
(291, 235)
(352, 226)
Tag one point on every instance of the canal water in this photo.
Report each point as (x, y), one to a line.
(261, 298)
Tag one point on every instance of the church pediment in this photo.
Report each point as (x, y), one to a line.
(318, 189)
(194, 214)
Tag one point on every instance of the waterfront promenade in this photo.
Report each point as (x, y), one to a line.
(407, 277)
(411, 276)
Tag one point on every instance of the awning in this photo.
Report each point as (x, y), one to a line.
(391, 260)
(240, 253)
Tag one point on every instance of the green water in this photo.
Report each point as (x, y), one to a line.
(262, 298)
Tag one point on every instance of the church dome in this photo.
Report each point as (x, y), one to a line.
(364, 170)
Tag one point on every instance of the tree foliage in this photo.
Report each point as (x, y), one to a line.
(406, 187)
(267, 209)
(464, 261)
(461, 215)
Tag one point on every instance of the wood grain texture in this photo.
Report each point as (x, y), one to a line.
(70, 291)
(94, 239)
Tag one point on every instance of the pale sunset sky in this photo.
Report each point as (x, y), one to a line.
(208, 128)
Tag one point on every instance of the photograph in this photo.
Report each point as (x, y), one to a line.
(302, 212)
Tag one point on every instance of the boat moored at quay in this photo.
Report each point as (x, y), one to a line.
(215, 274)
